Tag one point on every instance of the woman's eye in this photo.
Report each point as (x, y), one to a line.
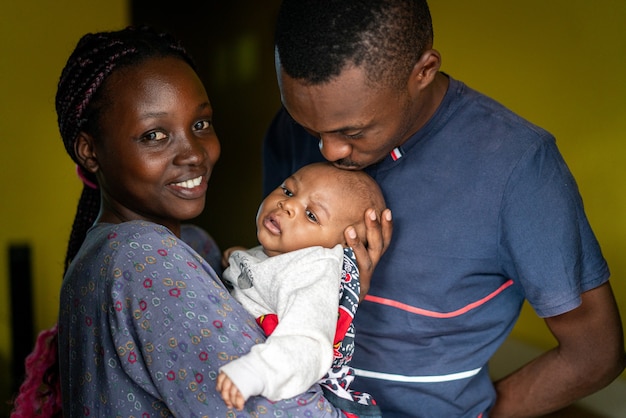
(202, 125)
(155, 136)
(286, 191)
(311, 216)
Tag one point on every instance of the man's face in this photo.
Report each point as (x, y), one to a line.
(357, 125)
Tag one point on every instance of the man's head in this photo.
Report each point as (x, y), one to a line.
(314, 206)
(356, 74)
(317, 39)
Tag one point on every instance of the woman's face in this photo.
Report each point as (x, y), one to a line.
(157, 146)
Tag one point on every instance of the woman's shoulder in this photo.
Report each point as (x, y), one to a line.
(129, 236)
(131, 230)
(135, 245)
(110, 247)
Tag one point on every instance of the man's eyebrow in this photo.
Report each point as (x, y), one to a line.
(348, 128)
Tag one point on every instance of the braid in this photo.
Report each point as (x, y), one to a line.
(80, 100)
(86, 212)
(96, 56)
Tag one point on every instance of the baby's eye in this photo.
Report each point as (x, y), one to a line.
(155, 136)
(286, 191)
(311, 216)
(202, 125)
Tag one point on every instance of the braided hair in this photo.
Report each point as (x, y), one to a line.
(80, 100)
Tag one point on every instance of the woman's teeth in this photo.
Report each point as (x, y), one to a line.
(190, 184)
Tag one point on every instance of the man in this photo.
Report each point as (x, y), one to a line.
(486, 215)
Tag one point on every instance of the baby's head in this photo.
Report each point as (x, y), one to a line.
(314, 206)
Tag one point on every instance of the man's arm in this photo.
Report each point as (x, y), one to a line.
(589, 355)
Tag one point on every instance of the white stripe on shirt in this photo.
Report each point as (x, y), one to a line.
(417, 379)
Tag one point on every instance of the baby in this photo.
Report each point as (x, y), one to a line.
(291, 284)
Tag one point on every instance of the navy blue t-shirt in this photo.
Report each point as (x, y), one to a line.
(486, 214)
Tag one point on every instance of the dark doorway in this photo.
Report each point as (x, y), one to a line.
(232, 43)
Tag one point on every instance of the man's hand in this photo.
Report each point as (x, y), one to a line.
(378, 238)
(230, 394)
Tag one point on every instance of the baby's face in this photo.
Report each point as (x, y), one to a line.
(311, 208)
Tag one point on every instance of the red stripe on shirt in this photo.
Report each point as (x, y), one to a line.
(433, 314)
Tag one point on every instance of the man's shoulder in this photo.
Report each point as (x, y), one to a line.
(479, 109)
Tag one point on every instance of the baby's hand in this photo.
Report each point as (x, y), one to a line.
(226, 254)
(230, 394)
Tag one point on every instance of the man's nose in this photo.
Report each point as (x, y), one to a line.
(334, 149)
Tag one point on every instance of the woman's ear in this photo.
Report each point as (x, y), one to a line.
(85, 150)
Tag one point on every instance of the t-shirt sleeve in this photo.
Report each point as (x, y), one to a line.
(546, 240)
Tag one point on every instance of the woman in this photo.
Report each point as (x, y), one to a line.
(144, 321)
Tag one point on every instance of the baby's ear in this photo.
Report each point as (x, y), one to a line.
(85, 151)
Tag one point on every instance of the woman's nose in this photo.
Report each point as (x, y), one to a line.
(192, 151)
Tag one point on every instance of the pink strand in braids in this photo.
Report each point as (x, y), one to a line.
(40, 393)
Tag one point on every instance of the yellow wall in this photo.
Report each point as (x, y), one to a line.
(560, 64)
(39, 189)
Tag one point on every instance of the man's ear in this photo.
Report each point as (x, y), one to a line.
(85, 150)
(425, 69)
